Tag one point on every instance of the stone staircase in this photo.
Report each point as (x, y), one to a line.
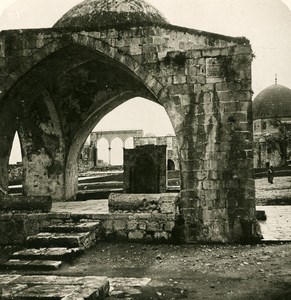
(54, 245)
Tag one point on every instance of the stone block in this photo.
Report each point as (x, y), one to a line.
(132, 225)
(108, 225)
(179, 79)
(161, 236)
(136, 235)
(119, 225)
(169, 226)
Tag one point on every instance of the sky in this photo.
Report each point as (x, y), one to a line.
(266, 23)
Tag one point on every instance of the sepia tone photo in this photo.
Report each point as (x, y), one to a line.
(145, 149)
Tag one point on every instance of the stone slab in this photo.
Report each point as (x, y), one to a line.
(93, 207)
(73, 227)
(48, 253)
(53, 287)
(48, 239)
(19, 264)
(52, 291)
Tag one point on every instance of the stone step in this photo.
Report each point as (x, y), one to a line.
(21, 264)
(100, 185)
(73, 227)
(60, 254)
(69, 240)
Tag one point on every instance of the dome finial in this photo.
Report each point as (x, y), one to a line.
(276, 79)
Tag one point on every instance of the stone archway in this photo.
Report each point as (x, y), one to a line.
(203, 81)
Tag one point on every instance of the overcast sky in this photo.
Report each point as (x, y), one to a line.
(267, 23)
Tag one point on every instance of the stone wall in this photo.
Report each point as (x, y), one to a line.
(142, 217)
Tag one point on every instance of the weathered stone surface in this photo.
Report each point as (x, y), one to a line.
(25, 203)
(48, 253)
(160, 203)
(73, 227)
(47, 239)
(20, 264)
(54, 287)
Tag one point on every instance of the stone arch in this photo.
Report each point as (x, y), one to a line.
(88, 42)
(103, 149)
(125, 61)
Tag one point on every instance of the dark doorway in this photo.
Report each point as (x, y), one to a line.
(145, 177)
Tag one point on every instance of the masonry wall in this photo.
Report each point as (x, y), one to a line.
(142, 218)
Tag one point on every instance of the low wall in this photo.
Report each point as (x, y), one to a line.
(34, 204)
(142, 218)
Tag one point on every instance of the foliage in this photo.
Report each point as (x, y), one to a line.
(179, 59)
(281, 140)
(226, 69)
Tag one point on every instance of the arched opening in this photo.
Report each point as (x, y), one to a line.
(103, 152)
(170, 165)
(65, 107)
(15, 175)
(116, 152)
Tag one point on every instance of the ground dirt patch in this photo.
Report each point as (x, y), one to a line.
(192, 271)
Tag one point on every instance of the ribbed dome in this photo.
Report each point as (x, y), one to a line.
(274, 101)
(109, 13)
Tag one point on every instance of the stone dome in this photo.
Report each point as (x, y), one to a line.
(274, 101)
(110, 13)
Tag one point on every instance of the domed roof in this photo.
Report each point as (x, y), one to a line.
(109, 13)
(274, 101)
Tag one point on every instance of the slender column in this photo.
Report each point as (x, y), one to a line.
(96, 162)
(109, 149)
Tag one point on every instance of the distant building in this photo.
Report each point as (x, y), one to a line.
(272, 126)
(89, 159)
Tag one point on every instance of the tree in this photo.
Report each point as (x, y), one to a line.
(280, 140)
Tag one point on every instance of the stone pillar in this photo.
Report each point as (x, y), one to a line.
(211, 111)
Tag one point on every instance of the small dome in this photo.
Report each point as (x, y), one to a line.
(272, 102)
(109, 13)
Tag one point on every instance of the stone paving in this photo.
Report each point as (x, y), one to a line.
(277, 227)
